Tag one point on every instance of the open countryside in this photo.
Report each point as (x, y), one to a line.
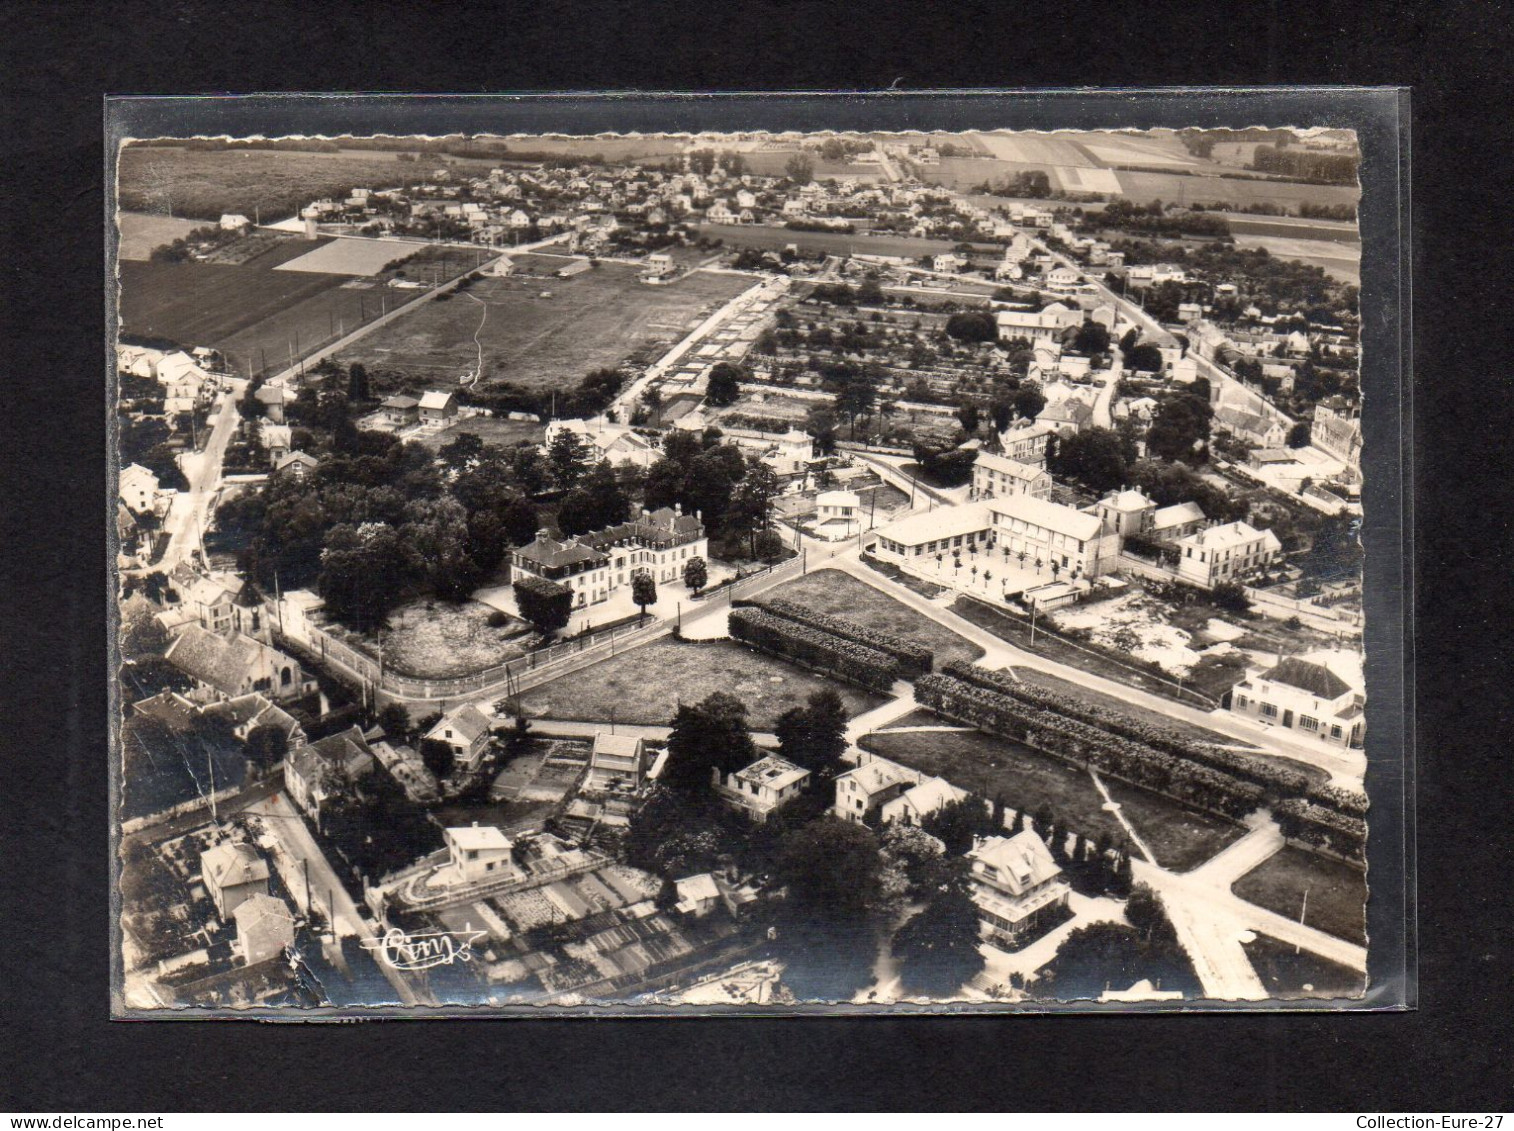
(538, 331)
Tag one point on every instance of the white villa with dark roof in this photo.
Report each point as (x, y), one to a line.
(596, 566)
(1304, 696)
(918, 802)
(872, 785)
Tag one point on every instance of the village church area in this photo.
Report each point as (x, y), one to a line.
(742, 569)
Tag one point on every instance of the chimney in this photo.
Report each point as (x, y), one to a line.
(542, 535)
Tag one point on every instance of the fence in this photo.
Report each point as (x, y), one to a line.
(529, 670)
(470, 893)
(137, 824)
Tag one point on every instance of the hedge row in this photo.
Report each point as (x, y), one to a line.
(915, 659)
(1133, 761)
(845, 659)
(1279, 781)
(1322, 827)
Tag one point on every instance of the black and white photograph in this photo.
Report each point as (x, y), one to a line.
(750, 571)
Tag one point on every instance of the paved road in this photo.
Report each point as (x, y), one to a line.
(287, 825)
(203, 470)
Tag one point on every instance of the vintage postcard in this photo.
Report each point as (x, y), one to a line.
(739, 569)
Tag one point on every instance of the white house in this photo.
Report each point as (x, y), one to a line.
(872, 785)
(233, 874)
(478, 853)
(265, 928)
(618, 443)
(999, 475)
(1017, 888)
(659, 265)
(1061, 537)
(1230, 553)
(761, 787)
(838, 514)
(918, 802)
(234, 222)
(466, 730)
(1025, 442)
(697, 895)
(1303, 696)
(139, 488)
(617, 760)
(437, 407)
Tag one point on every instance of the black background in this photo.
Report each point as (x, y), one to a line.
(58, 1050)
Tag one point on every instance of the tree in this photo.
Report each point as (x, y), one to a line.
(265, 747)
(814, 736)
(394, 720)
(1092, 337)
(1181, 427)
(973, 326)
(1029, 400)
(643, 590)
(831, 868)
(569, 457)
(1097, 457)
(723, 386)
(1298, 435)
(869, 293)
(438, 757)
(711, 734)
(969, 416)
(666, 900)
(958, 823)
(546, 604)
(799, 169)
(529, 468)
(1145, 357)
(768, 546)
(461, 451)
(357, 383)
(938, 948)
(696, 574)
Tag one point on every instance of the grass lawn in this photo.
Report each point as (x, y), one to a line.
(591, 321)
(1008, 626)
(433, 639)
(1140, 714)
(1287, 974)
(926, 589)
(1337, 892)
(492, 430)
(1029, 779)
(839, 594)
(141, 232)
(646, 685)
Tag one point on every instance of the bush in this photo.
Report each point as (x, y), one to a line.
(810, 647)
(1323, 828)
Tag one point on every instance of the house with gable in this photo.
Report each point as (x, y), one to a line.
(1017, 888)
(233, 874)
(331, 767)
(228, 666)
(870, 786)
(467, 731)
(1305, 696)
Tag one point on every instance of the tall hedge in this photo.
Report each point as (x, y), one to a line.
(1278, 781)
(1136, 762)
(812, 648)
(1323, 828)
(915, 659)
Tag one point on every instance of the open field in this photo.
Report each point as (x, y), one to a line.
(259, 183)
(769, 238)
(208, 304)
(841, 595)
(349, 256)
(1028, 779)
(1337, 892)
(646, 685)
(1340, 261)
(142, 231)
(491, 430)
(593, 320)
(1291, 973)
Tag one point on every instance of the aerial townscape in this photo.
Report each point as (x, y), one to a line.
(739, 570)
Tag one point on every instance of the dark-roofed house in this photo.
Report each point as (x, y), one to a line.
(296, 464)
(466, 730)
(233, 874)
(1303, 696)
(248, 712)
(400, 410)
(596, 566)
(318, 771)
(226, 667)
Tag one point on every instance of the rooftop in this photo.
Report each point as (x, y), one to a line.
(878, 774)
(478, 838)
(943, 522)
(228, 865)
(1316, 679)
(773, 772)
(1050, 516)
(1018, 862)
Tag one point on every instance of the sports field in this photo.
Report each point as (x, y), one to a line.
(590, 321)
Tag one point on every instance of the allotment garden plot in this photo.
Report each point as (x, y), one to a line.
(544, 332)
